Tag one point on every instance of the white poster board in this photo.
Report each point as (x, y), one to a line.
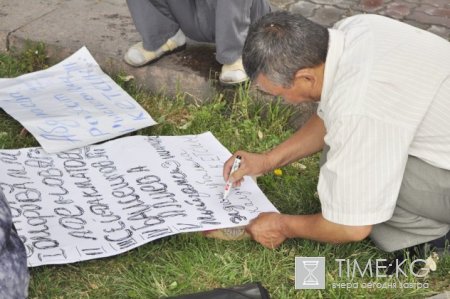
(105, 199)
(72, 104)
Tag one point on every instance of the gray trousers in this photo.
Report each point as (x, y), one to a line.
(422, 212)
(223, 22)
(13, 260)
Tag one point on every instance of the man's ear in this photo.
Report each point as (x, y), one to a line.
(305, 74)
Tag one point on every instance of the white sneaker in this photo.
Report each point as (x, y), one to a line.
(233, 73)
(138, 56)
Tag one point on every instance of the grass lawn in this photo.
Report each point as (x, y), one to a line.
(188, 263)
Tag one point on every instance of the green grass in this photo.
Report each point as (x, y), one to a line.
(188, 263)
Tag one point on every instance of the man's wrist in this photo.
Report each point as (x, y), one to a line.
(284, 226)
(271, 162)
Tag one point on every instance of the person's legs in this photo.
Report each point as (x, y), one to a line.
(406, 229)
(195, 17)
(13, 260)
(224, 22)
(153, 23)
(159, 31)
(422, 213)
(233, 19)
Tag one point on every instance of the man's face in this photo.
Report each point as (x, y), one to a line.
(300, 91)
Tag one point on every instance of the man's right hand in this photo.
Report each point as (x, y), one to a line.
(251, 164)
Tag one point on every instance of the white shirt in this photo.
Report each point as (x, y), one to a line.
(386, 95)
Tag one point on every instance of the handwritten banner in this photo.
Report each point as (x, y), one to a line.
(103, 200)
(72, 104)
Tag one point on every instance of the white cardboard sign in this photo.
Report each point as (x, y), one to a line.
(72, 104)
(106, 199)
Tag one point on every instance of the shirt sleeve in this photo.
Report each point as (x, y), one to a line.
(360, 181)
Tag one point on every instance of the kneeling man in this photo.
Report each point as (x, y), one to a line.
(383, 123)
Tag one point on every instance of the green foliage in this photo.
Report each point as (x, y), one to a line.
(189, 263)
(32, 59)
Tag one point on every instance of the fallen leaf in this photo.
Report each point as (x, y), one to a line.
(260, 134)
(126, 78)
(173, 285)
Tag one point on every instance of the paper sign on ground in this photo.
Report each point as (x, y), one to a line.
(72, 104)
(105, 199)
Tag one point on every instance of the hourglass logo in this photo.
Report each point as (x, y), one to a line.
(309, 272)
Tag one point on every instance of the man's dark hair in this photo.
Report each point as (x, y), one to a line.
(281, 43)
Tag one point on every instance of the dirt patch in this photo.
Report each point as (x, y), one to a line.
(199, 58)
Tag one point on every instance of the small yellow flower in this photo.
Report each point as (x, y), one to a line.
(278, 172)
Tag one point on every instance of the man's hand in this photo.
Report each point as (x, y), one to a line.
(308, 140)
(272, 229)
(251, 164)
(267, 230)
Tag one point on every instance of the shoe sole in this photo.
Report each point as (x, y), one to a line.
(232, 84)
(178, 49)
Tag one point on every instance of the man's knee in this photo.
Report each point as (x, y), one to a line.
(405, 229)
(425, 190)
